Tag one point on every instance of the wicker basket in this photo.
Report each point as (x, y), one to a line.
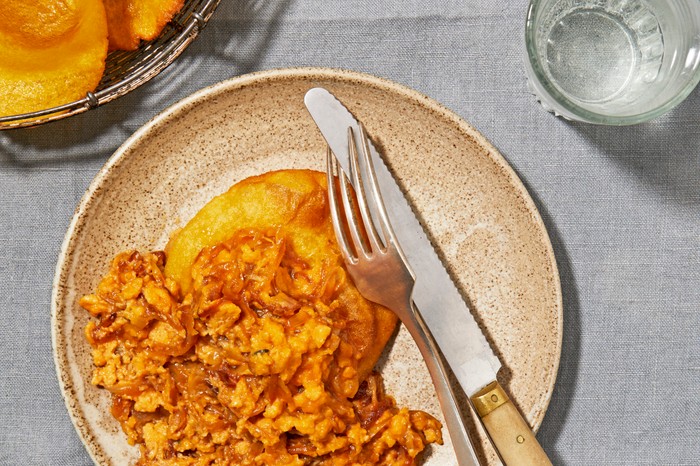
(127, 70)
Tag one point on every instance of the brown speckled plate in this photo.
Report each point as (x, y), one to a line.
(476, 209)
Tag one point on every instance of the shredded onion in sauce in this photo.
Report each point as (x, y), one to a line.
(250, 367)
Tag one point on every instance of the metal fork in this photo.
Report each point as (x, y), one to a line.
(381, 273)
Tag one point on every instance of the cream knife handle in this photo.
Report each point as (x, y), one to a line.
(510, 434)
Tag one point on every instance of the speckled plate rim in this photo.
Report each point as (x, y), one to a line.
(93, 192)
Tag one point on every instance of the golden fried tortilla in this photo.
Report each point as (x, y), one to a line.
(295, 203)
(131, 21)
(51, 52)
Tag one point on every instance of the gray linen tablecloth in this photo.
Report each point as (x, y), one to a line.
(622, 206)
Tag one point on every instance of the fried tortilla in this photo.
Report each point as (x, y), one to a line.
(51, 52)
(293, 202)
(131, 21)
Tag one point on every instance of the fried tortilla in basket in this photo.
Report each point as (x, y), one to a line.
(131, 21)
(51, 52)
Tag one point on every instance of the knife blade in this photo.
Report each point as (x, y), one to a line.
(441, 305)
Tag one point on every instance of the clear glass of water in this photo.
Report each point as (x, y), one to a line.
(612, 62)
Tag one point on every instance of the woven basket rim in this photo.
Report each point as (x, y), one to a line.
(159, 54)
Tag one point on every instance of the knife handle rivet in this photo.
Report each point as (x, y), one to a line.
(489, 398)
(520, 439)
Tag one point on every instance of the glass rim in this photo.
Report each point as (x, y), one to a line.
(580, 113)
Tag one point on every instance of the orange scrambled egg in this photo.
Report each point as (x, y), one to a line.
(252, 366)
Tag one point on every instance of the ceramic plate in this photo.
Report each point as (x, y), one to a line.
(475, 208)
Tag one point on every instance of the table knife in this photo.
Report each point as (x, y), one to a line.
(440, 303)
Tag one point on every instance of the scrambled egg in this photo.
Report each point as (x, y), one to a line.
(253, 365)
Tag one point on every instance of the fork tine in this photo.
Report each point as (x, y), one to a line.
(335, 207)
(376, 193)
(351, 220)
(358, 180)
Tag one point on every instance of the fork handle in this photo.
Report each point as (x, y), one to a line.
(461, 442)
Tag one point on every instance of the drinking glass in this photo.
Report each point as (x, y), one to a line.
(612, 62)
